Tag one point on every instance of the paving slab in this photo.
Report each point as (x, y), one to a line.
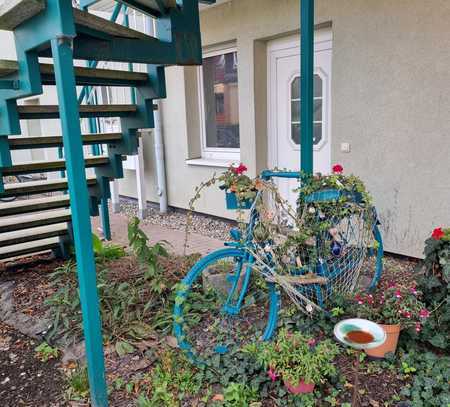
(196, 243)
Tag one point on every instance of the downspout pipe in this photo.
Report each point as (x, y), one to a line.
(159, 140)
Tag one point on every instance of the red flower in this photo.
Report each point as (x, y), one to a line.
(437, 234)
(337, 169)
(239, 170)
(418, 327)
(398, 294)
(424, 313)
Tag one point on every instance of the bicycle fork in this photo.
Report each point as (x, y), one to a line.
(239, 286)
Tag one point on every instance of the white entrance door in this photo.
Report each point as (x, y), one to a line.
(284, 106)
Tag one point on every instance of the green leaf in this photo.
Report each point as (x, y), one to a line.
(96, 244)
(123, 348)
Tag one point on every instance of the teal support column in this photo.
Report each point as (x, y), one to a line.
(126, 23)
(104, 210)
(79, 203)
(93, 64)
(306, 84)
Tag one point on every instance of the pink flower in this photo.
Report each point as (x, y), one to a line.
(337, 169)
(406, 314)
(272, 374)
(424, 313)
(370, 299)
(413, 291)
(418, 327)
(240, 169)
(398, 294)
(391, 284)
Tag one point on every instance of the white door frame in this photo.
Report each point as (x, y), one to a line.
(322, 40)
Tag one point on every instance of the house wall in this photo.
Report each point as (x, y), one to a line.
(390, 101)
(390, 68)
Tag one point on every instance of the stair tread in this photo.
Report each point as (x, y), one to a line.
(26, 205)
(17, 142)
(93, 22)
(23, 167)
(31, 187)
(34, 220)
(29, 247)
(15, 12)
(8, 67)
(37, 109)
(39, 232)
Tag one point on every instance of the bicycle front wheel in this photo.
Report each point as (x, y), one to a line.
(220, 305)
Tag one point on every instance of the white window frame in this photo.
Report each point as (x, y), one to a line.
(214, 153)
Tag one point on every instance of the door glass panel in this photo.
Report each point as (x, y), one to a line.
(318, 110)
(295, 113)
(295, 133)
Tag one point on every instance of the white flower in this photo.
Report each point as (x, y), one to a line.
(312, 210)
(309, 308)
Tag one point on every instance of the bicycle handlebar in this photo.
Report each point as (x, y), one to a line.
(267, 174)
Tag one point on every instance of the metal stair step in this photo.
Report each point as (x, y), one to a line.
(39, 187)
(27, 235)
(15, 12)
(49, 166)
(33, 205)
(35, 246)
(91, 24)
(34, 220)
(29, 112)
(21, 143)
(83, 76)
(153, 7)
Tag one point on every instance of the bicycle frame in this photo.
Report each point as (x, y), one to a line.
(232, 305)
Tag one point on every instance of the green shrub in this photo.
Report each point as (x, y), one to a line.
(434, 282)
(131, 306)
(431, 379)
(296, 357)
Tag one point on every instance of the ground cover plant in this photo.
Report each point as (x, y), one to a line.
(145, 367)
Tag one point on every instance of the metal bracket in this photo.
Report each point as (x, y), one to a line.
(64, 39)
(9, 84)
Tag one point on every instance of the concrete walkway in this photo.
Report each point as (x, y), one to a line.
(196, 243)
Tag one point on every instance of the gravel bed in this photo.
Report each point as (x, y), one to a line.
(176, 219)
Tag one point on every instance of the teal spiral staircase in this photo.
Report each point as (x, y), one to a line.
(55, 29)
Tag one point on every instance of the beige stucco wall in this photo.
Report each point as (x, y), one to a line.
(390, 101)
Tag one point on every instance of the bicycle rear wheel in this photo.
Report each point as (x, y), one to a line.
(218, 306)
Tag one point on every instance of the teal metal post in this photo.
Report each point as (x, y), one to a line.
(126, 23)
(93, 64)
(307, 85)
(104, 210)
(79, 204)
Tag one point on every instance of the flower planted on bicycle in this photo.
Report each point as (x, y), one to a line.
(234, 180)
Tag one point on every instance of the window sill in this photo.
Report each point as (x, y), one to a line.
(210, 162)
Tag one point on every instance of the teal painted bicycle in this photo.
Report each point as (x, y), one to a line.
(233, 295)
